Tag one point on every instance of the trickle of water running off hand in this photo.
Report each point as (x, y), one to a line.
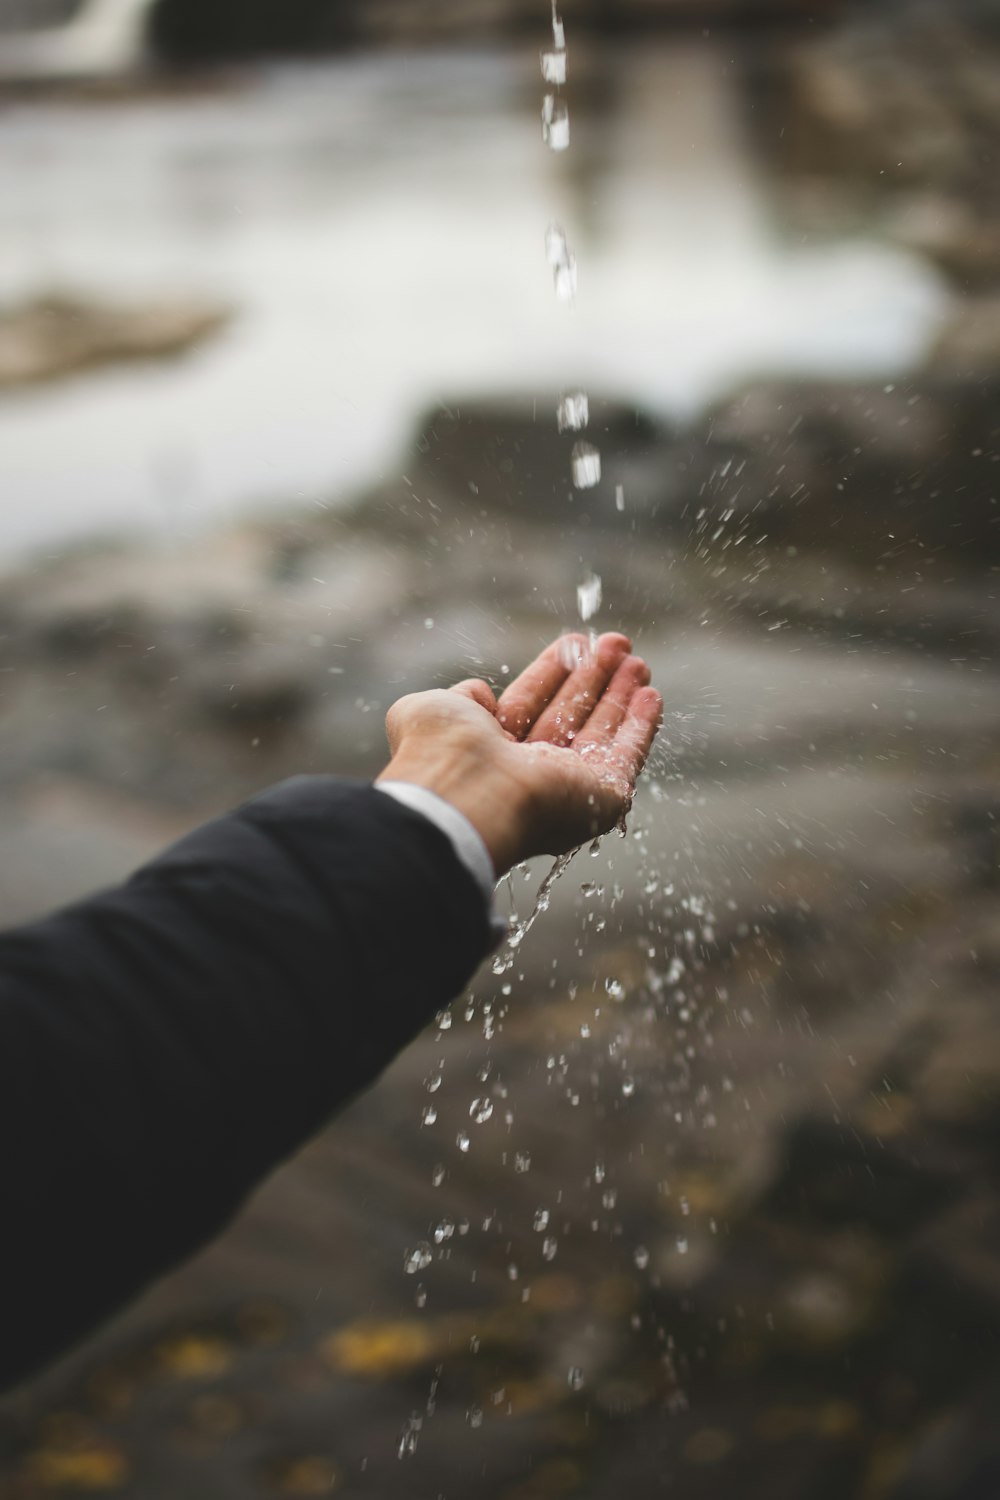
(504, 960)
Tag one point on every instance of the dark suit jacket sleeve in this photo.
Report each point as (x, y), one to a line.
(165, 1044)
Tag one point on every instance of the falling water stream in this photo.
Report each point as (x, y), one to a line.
(572, 416)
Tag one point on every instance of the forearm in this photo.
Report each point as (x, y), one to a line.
(164, 1045)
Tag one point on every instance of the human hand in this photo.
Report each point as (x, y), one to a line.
(549, 764)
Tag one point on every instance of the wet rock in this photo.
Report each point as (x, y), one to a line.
(188, 30)
(262, 690)
(507, 457)
(891, 118)
(891, 474)
(58, 335)
(832, 1175)
(969, 345)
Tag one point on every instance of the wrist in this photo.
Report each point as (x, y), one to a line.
(493, 802)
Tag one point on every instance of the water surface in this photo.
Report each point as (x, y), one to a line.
(379, 223)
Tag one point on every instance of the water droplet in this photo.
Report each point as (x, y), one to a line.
(557, 251)
(628, 1086)
(641, 1257)
(555, 123)
(573, 412)
(480, 1110)
(574, 1378)
(462, 1141)
(408, 1440)
(474, 1416)
(437, 1175)
(434, 1083)
(586, 464)
(682, 1245)
(549, 1247)
(558, 29)
(522, 1161)
(615, 989)
(421, 1296)
(444, 1231)
(564, 280)
(418, 1258)
(429, 1115)
(554, 67)
(619, 497)
(588, 596)
(599, 1171)
(541, 1220)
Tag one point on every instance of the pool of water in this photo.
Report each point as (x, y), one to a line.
(379, 224)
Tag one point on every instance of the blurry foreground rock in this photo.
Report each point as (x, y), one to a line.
(57, 335)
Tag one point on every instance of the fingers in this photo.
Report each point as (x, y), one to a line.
(571, 706)
(528, 694)
(635, 737)
(479, 691)
(604, 722)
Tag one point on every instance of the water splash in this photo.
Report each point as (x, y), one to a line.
(408, 1439)
(417, 1259)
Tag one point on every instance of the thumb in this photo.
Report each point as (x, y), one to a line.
(479, 692)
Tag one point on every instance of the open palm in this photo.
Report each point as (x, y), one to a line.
(550, 763)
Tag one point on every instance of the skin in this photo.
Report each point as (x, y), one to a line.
(550, 763)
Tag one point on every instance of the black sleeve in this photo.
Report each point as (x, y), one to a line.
(167, 1043)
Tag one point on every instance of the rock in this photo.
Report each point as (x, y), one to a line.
(890, 475)
(968, 347)
(57, 335)
(193, 30)
(507, 456)
(259, 689)
(890, 120)
(833, 1176)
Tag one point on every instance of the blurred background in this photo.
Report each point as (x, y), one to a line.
(698, 1196)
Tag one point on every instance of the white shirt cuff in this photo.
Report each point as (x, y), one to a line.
(463, 837)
